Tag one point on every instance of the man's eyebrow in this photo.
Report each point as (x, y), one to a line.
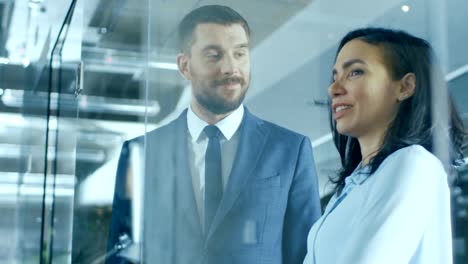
(348, 64)
(211, 47)
(242, 45)
(218, 47)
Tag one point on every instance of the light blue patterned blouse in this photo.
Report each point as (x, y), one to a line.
(399, 214)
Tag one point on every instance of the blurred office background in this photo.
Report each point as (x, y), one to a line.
(77, 78)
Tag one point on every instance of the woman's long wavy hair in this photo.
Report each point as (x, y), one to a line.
(403, 53)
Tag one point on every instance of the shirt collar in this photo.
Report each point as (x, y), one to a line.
(359, 175)
(228, 125)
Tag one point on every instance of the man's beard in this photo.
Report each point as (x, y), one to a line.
(216, 104)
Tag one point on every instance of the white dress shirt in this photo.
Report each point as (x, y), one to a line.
(197, 144)
(399, 214)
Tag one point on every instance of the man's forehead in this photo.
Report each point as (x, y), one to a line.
(212, 32)
(211, 25)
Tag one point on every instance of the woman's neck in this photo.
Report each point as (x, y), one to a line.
(370, 146)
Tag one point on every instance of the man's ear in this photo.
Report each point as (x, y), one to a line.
(407, 86)
(183, 61)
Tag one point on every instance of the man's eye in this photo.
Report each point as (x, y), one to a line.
(240, 54)
(212, 56)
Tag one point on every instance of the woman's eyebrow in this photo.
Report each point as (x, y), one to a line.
(348, 64)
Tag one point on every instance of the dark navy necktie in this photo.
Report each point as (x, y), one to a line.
(213, 177)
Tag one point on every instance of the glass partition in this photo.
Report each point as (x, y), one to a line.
(113, 107)
(37, 100)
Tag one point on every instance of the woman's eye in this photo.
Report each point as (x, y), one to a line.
(354, 73)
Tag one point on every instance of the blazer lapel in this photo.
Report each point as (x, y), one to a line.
(184, 195)
(251, 144)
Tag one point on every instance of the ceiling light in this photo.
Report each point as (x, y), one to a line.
(86, 103)
(4, 60)
(28, 190)
(26, 62)
(405, 8)
(164, 65)
(35, 4)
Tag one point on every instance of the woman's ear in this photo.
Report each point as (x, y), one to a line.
(183, 61)
(407, 86)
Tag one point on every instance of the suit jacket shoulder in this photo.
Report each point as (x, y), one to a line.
(165, 133)
(276, 132)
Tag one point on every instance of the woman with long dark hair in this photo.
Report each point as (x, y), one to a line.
(392, 199)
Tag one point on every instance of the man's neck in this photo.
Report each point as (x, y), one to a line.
(208, 116)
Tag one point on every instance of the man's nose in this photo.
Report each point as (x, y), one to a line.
(229, 66)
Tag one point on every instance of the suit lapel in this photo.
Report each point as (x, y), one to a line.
(251, 144)
(185, 197)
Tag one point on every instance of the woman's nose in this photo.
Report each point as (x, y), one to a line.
(335, 89)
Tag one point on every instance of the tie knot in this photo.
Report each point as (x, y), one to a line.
(211, 131)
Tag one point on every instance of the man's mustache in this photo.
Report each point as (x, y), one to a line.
(229, 80)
